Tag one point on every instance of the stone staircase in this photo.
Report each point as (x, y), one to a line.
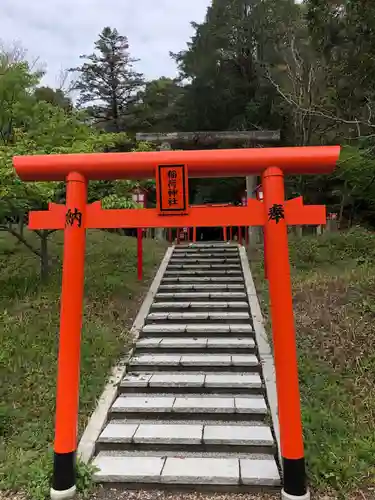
(191, 409)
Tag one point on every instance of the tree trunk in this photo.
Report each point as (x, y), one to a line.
(341, 215)
(21, 225)
(352, 215)
(332, 226)
(44, 263)
(159, 234)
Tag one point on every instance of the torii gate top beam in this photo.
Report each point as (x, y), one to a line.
(208, 163)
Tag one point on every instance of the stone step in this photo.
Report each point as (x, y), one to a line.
(212, 420)
(196, 342)
(199, 306)
(196, 330)
(203, 470)
(191, 406)
(235, 263)
(223, 249)
(223, 252)
(208, 273)
(212, 244)
(202, 279)
(227, 248)
(198, 317)
(193, 344)
(207, 244)
(210, 287)
(202, 251)
(201, 267)
(193, 437)
(205, 262)
(195, 362)
(192, 382)
(205, 255)
(198, 296)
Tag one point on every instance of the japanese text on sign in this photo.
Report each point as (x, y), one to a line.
(276, 212)
(172, 189)
(72, 217)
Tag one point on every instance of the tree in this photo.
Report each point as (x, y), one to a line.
(354, 185)
(49, 130)
(16, 85)
(291, 66)
(159, 106)
(57, 97)
(40, 127)
(226, 89)
(53, 132)
(107, 81)
(340, 40)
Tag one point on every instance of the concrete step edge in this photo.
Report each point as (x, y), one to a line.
(197, 342)
(200, 295)
(199, 286)
(201, 380)
(193, 470)
(200, 266)
(188, 434)
(206, 304)
(191, 280)
(171, 405)
(205, 360)
(194, 315)
(163, 329)
(209, 272)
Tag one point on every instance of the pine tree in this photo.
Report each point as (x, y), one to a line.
(107, 81)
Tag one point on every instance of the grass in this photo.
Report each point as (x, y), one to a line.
(334, 301)
(29, 320)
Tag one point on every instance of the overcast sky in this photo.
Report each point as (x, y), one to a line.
(58, 31)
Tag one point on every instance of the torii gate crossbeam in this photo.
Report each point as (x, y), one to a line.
(204, 163)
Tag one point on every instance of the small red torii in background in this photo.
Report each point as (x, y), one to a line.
(274, 213)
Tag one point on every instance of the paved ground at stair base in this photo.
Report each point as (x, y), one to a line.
(114, 494)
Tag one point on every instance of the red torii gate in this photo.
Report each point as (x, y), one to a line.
(215, 205)
(194, 237)
(274, 213)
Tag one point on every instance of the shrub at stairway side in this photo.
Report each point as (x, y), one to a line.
(29, 320)
(334, 302)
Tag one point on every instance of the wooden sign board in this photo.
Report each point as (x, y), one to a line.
(172, 189)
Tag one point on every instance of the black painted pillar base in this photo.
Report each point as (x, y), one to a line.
(64, 475)
(295, 484)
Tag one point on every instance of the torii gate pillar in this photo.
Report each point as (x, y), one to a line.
(283, 335)
(68, 369)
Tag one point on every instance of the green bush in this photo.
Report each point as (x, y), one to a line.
(332, 248)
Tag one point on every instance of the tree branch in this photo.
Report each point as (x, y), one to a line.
(315, 112)
(21, 239)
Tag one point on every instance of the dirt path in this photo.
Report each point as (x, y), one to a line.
(113, 494)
